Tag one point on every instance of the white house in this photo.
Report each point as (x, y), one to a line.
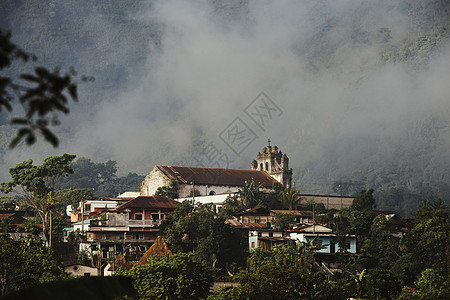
(324, 237)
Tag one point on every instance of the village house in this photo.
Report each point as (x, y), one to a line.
(159, 247)
(322, 237)
(133, 225)
(267, 216)
(91, 208)
(266, 238)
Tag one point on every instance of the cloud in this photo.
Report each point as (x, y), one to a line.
(319, 61)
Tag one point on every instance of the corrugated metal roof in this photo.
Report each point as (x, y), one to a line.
(150, 202)
(216, 176)
(272, 238)
(255, 211)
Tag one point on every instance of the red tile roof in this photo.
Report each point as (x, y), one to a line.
(149, 202)
(216, 176)
(4, 216)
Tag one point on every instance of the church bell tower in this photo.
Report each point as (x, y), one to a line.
(275, 163)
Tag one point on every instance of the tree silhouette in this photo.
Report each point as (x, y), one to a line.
(291, 198)
(42, 94)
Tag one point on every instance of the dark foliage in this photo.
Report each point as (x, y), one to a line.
(42, 94)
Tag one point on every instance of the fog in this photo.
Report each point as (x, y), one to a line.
(196, 66)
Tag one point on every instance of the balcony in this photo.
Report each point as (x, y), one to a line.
(144, 223)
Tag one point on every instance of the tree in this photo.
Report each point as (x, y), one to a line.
(26, 263)
(71, 196)
(7, 203)
(131, 182)
(229, 293)
(431, 284)
(429, 239)
(42, 94)
(272, 200)
(9, 264)
(231, 206)
(170, 190)
(251, 194)
(284, 221)
(35, 184)
(195, 225)
(317, 208)
(100, 177)
(364, 201)
(90, 175)
(283, 273)
(382, 247)
(171, 277)
(347, 188)
(290, 198)
(61, 199)
(382, 284)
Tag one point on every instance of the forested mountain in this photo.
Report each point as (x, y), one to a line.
(362, 86)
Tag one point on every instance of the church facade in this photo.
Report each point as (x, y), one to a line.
(210, 184)
(270, 166)
(275, 163)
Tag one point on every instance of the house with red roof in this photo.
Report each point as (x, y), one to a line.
(133, 225)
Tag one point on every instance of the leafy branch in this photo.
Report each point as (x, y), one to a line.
(42, 94)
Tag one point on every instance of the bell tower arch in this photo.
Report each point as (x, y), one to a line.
(275, 163)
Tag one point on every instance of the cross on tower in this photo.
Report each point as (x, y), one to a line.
(268, 142)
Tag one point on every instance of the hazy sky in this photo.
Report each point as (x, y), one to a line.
(336, 106)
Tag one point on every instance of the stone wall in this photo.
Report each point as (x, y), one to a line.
(153, 181)
(336, 202)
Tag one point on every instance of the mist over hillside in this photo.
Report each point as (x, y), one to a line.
(361, 87)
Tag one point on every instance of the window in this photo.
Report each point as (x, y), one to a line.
(347, 244)
(212, 193)
(259, 234)
(261, 167)
(253, 245)
(87, 207)
(267, 166)
(138, 216)
(139, 236)
(270, 234)
(155, 217)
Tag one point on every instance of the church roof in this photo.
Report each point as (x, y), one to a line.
(216, 176)
(149, 202)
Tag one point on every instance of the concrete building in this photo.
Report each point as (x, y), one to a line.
(134, 224)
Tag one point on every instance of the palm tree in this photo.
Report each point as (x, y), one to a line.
(290, 198)
(250, 194)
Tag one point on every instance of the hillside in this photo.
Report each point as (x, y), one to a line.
(361, 86)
